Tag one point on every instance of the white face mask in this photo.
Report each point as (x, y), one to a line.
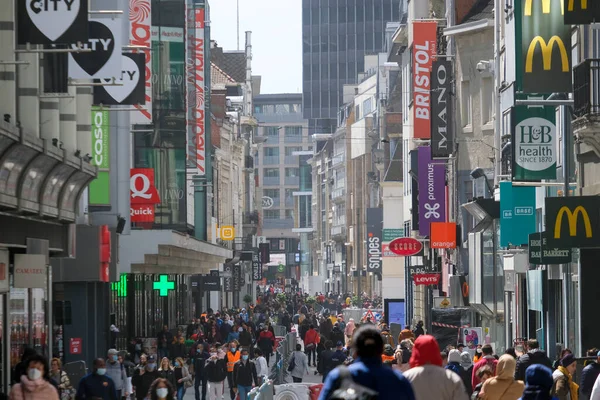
(162, 393)
(34, 374)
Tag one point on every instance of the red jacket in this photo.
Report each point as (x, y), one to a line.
(312, 337)
(486, 360)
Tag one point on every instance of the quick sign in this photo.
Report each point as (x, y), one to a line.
(573, 222)
(424, 50)
(51, 21)
(543, 56)
(534, 141)
(517, 214)
(104, 60)
(140, 19)
(144, 195)
(432, 191)
(374, 228)
(540, 253)
(99, 189)
(442, 139)
(130, 89)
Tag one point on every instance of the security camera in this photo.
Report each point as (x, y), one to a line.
(482, 66)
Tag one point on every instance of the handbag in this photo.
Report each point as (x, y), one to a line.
(292, 364)
(187, 384)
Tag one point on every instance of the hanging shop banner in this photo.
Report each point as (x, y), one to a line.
(432, 191)
(144, 195)
(129, 88)
(99, 189)
(237, 277)
(105, 43)
(198, 119)
(4, 261)
(426, 279)
(31, 271)
(424, 50)
(534, 139)
(374, 232)
(581, 12)
(443, 235)
(49, 22)
(540, 253)
(517, 214)
(406, 246)
(168, 71)
(256, 266)
(228, 284)
(190, 85)
(140, 35)
(211, 283)
(573, 222)
(543, 42)
(442, 138)
(391, 234)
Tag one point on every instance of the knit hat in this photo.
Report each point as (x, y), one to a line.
(539, 376)
(465, 360)
(454, 356)
(567, 360)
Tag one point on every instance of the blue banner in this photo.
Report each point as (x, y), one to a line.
(517, 214)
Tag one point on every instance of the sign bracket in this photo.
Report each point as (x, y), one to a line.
(540, 102)
(28, 49)
(113, 83)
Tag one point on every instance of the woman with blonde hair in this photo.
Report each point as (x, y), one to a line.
(61, 378)
(166, 371)
(183, 378)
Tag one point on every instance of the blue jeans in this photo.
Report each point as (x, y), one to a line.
(243, 391)
(180, 393)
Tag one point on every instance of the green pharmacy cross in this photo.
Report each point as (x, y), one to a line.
(164, 285)
(281, 268)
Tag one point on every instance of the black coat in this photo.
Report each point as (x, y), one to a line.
(588, 378)
(325, 363)
(215, 371)
(533, 357)
(244, 374)
(466, 375)
(245, 339)
(337, 336)
(143, 382)
(169, 375)
(199, 363)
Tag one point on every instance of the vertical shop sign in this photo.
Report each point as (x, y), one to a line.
(256, 266)
(4, 259)
(374, 240)
(432, 191)
(236, 273)
(140, 35)
(144, 195)
(442, 139)
(534, 143)
(543, 42)
(99, 189)
(199, 86)
(424, 50)
(517, 214)
(190, 85)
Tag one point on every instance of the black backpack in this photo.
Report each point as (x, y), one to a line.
(350, 390)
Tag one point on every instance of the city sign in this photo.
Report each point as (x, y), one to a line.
(534, 139)
(540, 253)
(424, 50)
(426, 279)
(140, 21)
(443, 235)
(406, 246)
(163, 285)
(517, 214)
(129, 89)
(573, 222)
(543, 56)
(442, 139)
(49, 22)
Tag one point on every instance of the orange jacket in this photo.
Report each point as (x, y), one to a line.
(232, 359)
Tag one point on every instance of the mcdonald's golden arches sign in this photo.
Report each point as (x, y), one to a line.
(543, 47)
(573, 222)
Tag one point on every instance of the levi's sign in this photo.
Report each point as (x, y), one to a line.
(426, 279)
(573, 222)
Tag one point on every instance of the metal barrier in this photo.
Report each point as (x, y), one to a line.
(279, 371)
(264, 392)
(279, 330)
(75, 371)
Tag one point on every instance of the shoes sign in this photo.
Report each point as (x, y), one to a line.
(131, 89)
(105, 59)
(49, 22)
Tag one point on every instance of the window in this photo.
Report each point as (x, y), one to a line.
(271, 214)
(272, 131)
(257, 110)
(271, 172)
(289, 214)
(272, 193)
(289, 193)
(295, 108)
(367, 106)
(466, 103)
(271, 151)
(292, 172)
(357, 115)
(282, 109)
(293, 131)
(487, 100)
(289, 151)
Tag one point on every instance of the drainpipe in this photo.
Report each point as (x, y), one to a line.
(498, 111)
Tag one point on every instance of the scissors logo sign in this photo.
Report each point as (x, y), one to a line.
(432, 210)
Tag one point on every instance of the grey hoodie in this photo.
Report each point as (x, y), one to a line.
(117, 373)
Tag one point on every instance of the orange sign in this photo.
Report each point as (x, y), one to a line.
(443, 235)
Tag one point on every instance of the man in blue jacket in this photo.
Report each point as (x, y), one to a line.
(97, 385)
(589, 375)
(369, 371)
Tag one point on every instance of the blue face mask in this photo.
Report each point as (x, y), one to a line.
(176, 364)
(101, 371)
(151, 367)
(115, 358)
(245, 357)
(198, 351)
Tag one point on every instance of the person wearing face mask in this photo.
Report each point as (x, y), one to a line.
(232, 357)
(161, 389)
(143, 378)
(183, 378)
(198, 362)
(35, 383)
(116, 372)
(245, 336)
(97, 385)
(244, 375)
(215, 371)
(266, 342)
(478, 354)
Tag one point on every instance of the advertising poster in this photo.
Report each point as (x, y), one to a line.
(140, 19)
(471, 337)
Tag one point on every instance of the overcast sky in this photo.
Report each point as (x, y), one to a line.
(276, 27)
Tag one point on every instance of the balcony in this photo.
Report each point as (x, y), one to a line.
(291, 160)
(292, 180)
(338, 195)
(338, 160)
(287, 139)
(338, 231)
(271, 181)
(286, 223)
(586, 103)
(271, 160)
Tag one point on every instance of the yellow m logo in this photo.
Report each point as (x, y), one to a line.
(583, 5)
(547, 53)
(572, 220)
(546, 6)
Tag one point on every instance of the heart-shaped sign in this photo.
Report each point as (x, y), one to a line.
(129, 79)
(53, 18)
(102, 44)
